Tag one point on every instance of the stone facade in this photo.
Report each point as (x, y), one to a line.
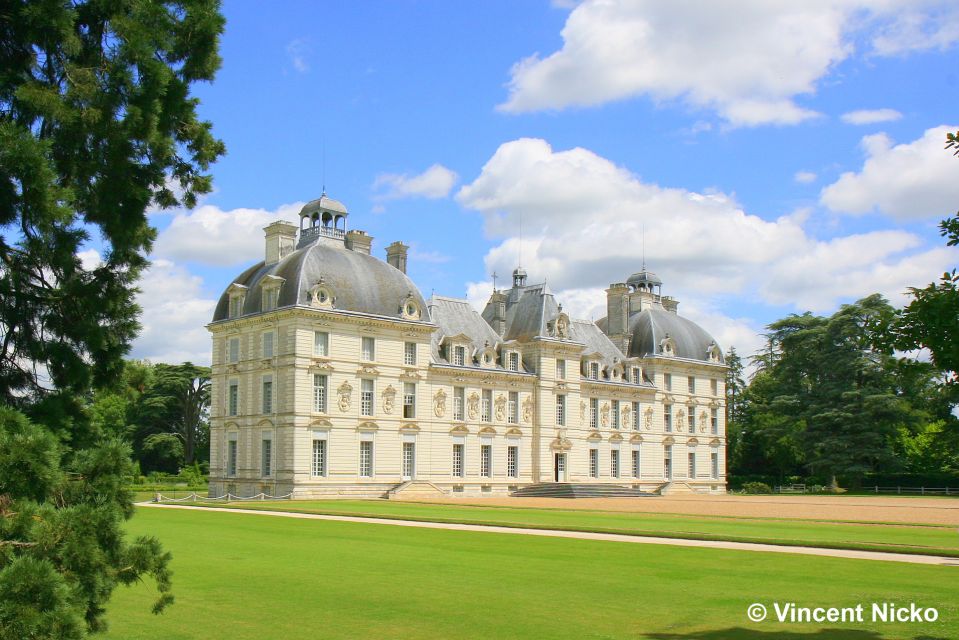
(332, 376)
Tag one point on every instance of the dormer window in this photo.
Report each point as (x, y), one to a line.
(237, 293)
(513, 361)
(459, 355)
(270, 292)
(270, 297)
(593, 371)
(636, 377)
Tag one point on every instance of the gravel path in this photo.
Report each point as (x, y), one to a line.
(712, 544)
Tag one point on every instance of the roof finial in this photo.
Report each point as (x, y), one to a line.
(494, 281)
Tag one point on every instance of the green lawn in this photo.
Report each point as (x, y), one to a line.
(241, 577)
(925, 539)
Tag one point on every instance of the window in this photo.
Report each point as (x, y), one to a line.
(486, 408)
(321, 343)
(512, 461)
(560, 369)
(615, 416)
(268, 344)
(366, 397)
(593, 371)
(266, 457)
(714, 464)
(320, 382)
(668, 417)
(636, 377)
(513, 406)
(233, 402)
(691, 383)
(458, 467)
(635, 416)
(236, 306)
(234, 350)
(614, 463)
(714, 387)
(668, 381)
(692, 419)
(459, 356)
(409, 399)
(366, 459)
(269, 299)
(409, 459)
(636, 463)
(513, 361)
(231, 455)
(668, 462)
(319, 457)
(459, 399)
(368, 349)
(692, 465)
(268, 394)
(714, 421)
(594, 463)
(593, 412)
(409, 353)
(486, 460)
(561, 411)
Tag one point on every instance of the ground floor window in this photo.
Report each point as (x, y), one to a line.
(594, 463)
(266, 457)
(409, 459)
(319, 458)
(366, 459)
(692, 465)
(614, 463)
(231, 456)
(714, 463)
(668, 462)
(512, 461)
(636, 461)
(486, 460)
(458, 469)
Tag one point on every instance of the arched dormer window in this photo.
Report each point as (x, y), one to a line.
(321, 295)
(237, 294)
(270, 288)
(713, 353)
(409, 308)
(667, 346)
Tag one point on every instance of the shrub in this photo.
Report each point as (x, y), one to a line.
(756, 487)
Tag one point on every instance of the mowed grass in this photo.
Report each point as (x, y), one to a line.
(258, 577)
(922, 539)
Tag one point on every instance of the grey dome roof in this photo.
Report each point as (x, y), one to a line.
(644, 277)
(651, 326)
(323, 203)
(357, 281)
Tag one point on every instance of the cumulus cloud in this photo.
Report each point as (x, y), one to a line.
(434, 183)
(748, 60)
(870, 116)
(210, 235)
(90, 259)
(804, 177)
(906, 181)
(298, 51)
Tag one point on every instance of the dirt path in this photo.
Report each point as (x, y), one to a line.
(712, 544)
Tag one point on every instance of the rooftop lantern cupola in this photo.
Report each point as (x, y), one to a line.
(519, 277)
(323, 217)
(645, 281)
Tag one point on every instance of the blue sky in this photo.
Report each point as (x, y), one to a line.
(779, 157)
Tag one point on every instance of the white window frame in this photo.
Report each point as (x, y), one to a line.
(668, 418)
(668, 381)
(592, 369)
(459, 402)
(319, 466)
(691, 464)
(409, 400)
(637, 461)
(691, 419)
(593, 462)
(614, 466)
(486, 405)
(267, 344)
(368, 349)
(594, 413)
(321, 392)
(367, 396)
(714, 464)
(512, 405)
(512, 461)
(458, 459)
(486, 458)
(561, 410)
(321, 343)
(513, 360)
(560, 369)
(366, 464)
(409, 354)
(615, 417)
(459, 355)
(691, 384)
(636, 419)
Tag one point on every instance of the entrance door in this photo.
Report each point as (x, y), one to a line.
(559, 467)
(409, 460)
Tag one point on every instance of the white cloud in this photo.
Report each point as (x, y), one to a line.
(210, 235)
(90, 259)
(175, 314)
(298, 51)
(906, 181)
(748, 60)
(804, 177)
(870, 116)
(434, 183)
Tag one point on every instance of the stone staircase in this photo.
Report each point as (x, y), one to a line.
(415, 489)
(573, 490)
(675, 488)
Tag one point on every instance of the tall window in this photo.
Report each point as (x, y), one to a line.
(269, 299)
(636, 377)
(234, 350)
(236, 306)
(366, 397)
(667, 417)
(594, 371)
(486, 406)
(668, 462)
(513, 407)
(409, 399)
(319, 457)
(513, 361)
(368, 349)
(409, 459)
(691, 383)
(266, 457)
(486, 460)
(268, 344)
(714, 464)
(614, 463)
(593, 412)
(692, 465)
(409, 353)
(231, 455)
(459, 399)
(668, 381)
(594, 463)
(692, 419)
(233, 402)
(321, 343)
(714, 387)
(458, 467)
(320, 382)
(459, 356)
(512, 461)
(636, 462)
(561, 410)
(560, 369)
(267, 394)
(615, 416)
(366, 459)
(714, 421)
(635, 416)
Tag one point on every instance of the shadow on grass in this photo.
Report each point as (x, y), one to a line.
(741, 633)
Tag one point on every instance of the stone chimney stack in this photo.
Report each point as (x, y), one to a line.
(280, 240)
(670, 304)
(396, 255)
(617, 314)
(359, 242)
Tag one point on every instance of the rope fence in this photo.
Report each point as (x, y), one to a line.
(228, 497)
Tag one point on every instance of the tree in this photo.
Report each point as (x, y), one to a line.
(96, 125)
(176, 405)
(735, 388)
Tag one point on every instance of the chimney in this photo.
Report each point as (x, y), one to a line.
(359, 242)
(396, 255)
(280, 240)
(670, 304)
(498, 320)
(617, 314)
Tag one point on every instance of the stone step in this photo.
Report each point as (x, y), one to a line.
(578, 490)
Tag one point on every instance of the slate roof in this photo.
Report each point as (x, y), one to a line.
(454, 317)
(650, 326)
